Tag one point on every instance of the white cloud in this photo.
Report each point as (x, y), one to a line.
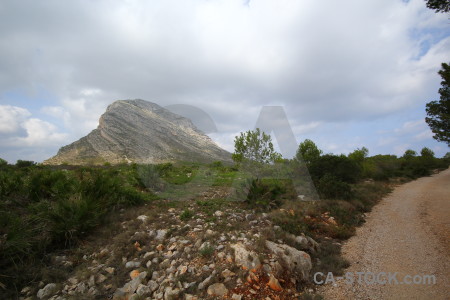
(326, 62)
(18, 129)
(11, 118)
(39, 133)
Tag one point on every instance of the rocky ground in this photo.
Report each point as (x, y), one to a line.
(188, 252)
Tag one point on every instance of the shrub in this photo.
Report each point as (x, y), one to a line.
(266, 193)
(330, 187)
(341, 167)
(3, 163)
(207, 251)
(25, 163)
(149, 176)
(186, 215)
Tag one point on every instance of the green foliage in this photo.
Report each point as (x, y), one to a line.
(409, 154)
(438, 112)
(265, 194)
(150, 176)
(381, 167)
(254, 146)
(426, 152)
(217, 165)
(359, 155)
(3, 163)
(340, 167)
(439, 5)
(24, 163)
(308, 152)
(186, 215)
(207, 251)
(43, 209)
(330, 187)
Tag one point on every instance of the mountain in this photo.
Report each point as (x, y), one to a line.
(142, 132)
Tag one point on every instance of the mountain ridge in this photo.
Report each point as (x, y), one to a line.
(140, 131)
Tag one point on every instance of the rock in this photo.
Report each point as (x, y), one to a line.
(153, 285)
(130, 287)
(305, 242)
(161, 234)
(141, 128)
(274, 284)
(171, 294)
(134, 274)
(236, 297)
(134, 297)
(143, 290)
(110, 270)
(91, 282)
(183, 270)
(47, 291)
(204, 283)
(227, 273)
(160, 247)
(190, 297)
(217, 289)
(26, 290)
(143, 218)
(218, 213)
(149, 254)
(314, 246)
(247, 259)
(297, 261)
(81, 288)
(165, 263)
(101, 278)
(155, 275)
(133, 264)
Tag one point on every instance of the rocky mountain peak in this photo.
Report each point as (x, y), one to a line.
(142, 132)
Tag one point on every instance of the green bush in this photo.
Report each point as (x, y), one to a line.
(330, 187)
(25, 163)
(266, 194)
(186, 215)
(43, 209)
(341, 167)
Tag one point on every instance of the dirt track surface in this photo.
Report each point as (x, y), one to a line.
(408, 232)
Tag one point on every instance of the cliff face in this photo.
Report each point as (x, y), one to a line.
(142, 132)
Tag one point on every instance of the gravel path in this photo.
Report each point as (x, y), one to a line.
(408, 232)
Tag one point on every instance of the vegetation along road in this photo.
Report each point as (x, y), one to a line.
(408, 232)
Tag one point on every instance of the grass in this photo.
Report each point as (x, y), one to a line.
(206, 252)
(186, 215)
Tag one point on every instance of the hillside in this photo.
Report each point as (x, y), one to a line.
(139, 131)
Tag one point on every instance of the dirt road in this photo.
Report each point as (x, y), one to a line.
(408, 232)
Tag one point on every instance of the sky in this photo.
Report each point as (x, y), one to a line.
(346, 73)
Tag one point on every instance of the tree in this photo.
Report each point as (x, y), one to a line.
(439, 111)
(254, 146)
(24, 163)
(439, 5)
(308, 152)
(409, 153)
(3, 162)
(427, 152)
(359, 154)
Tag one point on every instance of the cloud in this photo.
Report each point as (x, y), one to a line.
(325, 62)
(11, 117)
(19, 132)
(39, 134)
